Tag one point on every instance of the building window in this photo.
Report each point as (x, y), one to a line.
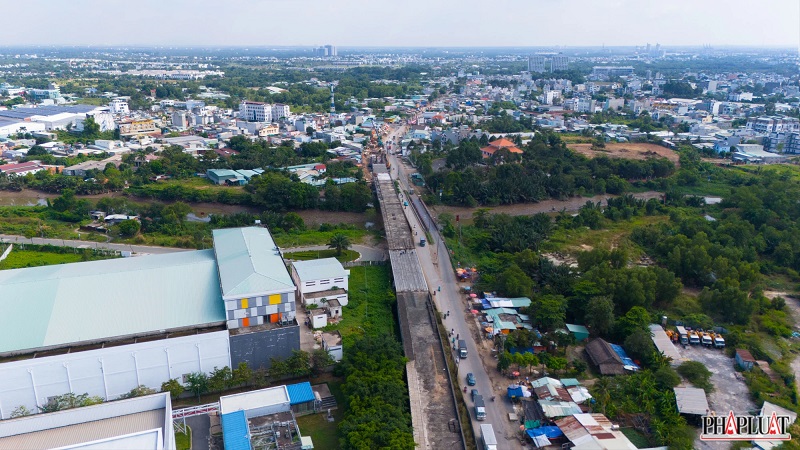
(185, 378)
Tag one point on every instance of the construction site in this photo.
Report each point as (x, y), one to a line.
(433, 408)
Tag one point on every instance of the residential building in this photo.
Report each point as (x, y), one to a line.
(179, 120)
(536, 63)
(603, 356)
(255, 111)
(332, 343)
(593, 431)
(280, 111)
(559, 62)
(138, 126)
(773, 124)
(500, 144)
(783, 142)
(119, 106)
(142, 423)
(320, 281)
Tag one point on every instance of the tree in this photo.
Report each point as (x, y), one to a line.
(504, 361)
(129, 228)
(299, 363)
(320, 359)
(639, 345)
(697, 374)
(556, 363)
(20, 411)
(90, 128)
(600, 315)
(68, 401)
(666, 378)
(513, 282)
(548, 311)
(530, 360)
(310, 131)
(340, 242)
(174, 387)
(241, 375)
(220, 379)
(637, 318)
(138, 391)
(197, 384)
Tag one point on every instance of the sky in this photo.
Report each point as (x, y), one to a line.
(401, 23)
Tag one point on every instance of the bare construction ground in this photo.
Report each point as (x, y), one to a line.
(429, 384)
(629, 150)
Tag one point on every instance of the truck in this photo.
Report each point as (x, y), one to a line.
(694, 338)
(480, 408)
(719, 341)
(488, 438)
(684, 337)
(706, 340)
(462, 349)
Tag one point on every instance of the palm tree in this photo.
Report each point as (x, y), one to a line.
(340, 242)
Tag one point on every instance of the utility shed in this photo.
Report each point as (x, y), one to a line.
(235, 431)
(664, 344)
(744, 359)
(580, 331)
(691, 401)
(262, 402)
(301, 397)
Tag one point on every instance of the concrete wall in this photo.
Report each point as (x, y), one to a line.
(256, 348)
(109, 372)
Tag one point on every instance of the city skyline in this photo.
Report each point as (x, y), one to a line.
(510, 23)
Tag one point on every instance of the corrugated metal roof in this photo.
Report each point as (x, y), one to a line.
(249, 263)
(663, 344)
(300, 393)
(235, 431)
(554, 409)
(84, 432)
(70, 303)
(247, 401)
(316, 269)
(691, 400)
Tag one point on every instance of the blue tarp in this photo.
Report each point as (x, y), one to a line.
(548, 431)
(515, 392)
(235, 432)
(485, 303)
(300, 393)
(623, 356)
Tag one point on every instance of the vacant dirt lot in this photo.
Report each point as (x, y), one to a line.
(626, 150)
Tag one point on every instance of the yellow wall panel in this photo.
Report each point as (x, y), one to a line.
(274, 299)
(244, 303)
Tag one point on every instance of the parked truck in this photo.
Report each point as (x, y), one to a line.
(719, 341)
(694, 338)
(480, 408)
(462, 349)
(707, 341)
(488, 438)
(684, 337)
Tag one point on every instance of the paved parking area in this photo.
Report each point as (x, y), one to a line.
(730, 392)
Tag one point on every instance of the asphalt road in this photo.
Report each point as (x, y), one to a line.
(200, 426)
(138, 249)
(439, 272)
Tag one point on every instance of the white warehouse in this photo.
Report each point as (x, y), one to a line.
(320, 279)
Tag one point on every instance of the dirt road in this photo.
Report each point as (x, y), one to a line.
(525, 209)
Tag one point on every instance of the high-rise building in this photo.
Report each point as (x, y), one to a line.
(279, 110)
(255, 111)
(326, 50)
(559, 62)
(119, 106)
(536, 63)
(179, 120)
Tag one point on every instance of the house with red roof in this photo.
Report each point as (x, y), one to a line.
(21, 169)
(499, 144)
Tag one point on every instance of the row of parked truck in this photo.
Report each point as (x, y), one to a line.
(696, 337)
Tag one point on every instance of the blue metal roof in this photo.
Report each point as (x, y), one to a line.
(235, 432)
(300, 393)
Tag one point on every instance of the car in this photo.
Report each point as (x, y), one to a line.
(473, 393)
(471, 379)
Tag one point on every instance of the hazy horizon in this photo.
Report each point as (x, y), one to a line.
(410, 24)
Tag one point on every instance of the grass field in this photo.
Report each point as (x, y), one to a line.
(183, 441)
(347, 255)
(322, 432)
(28, 258)
(629, 150)
(614, 234)
(370, 304)
(314, 237)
